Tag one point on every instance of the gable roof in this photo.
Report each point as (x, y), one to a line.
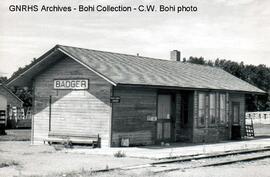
(10, 92)
(126, 69)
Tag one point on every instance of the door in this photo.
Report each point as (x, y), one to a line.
(235, 113)
(164, 118)
(236, 129)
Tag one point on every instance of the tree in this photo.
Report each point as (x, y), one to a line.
(24, 93)
(258, 76)
(196, 60)
(20, 69)
(3, 79)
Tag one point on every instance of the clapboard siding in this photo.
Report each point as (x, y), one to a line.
(72, 111)
(130, 115)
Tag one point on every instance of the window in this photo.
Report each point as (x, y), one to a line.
(212, 108)
(202, 106)
(222, 108)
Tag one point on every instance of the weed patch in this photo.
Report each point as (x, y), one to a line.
(46, 152)
(27, 153)
(8, 163)
(119, 154)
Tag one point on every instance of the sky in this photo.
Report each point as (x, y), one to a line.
(226, 29)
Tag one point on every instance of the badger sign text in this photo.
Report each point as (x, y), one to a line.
(74, 84)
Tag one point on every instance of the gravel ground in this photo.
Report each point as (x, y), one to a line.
(259, 168)
(16, 135)
(19, 158)
(197, 163)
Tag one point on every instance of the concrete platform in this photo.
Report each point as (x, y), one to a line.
(178, 149)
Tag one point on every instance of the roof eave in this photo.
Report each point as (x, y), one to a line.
(191, 88)
(46, 55)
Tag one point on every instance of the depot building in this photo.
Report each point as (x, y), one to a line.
(118, 96)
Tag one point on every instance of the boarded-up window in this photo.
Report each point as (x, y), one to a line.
(202, 109)
(222, 108)
(212, 108)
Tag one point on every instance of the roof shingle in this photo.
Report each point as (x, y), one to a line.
(138, 70)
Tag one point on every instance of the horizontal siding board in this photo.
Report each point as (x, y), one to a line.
(130, 116)
(72, 111)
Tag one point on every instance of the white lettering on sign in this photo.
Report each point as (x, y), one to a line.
(75, 84)
(151, 118)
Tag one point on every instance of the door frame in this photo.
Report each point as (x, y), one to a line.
(172, 119)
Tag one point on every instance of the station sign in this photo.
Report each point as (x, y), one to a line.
(115, 99)
(71, 84)
(151, 118)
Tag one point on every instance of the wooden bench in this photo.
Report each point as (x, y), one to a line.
(71, 139)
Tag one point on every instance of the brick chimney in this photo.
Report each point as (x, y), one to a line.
(175, 55)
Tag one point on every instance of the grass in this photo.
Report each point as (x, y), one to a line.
(9, 163)
(27, 153)
(47, 152)
(119, 154)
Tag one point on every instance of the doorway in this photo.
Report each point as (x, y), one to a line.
(236, 128)
(164, 118)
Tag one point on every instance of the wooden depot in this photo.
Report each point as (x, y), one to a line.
(89, 96)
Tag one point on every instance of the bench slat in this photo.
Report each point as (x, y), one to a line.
(72, 135)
